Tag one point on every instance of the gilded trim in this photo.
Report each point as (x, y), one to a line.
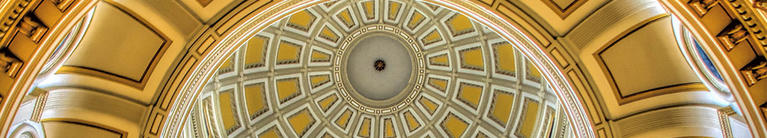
(694, 86)
(122, 133)
(563, 13)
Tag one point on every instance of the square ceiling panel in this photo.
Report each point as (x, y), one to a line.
(645, 59)
(116, 38)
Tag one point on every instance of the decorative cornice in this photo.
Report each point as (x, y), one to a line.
(10, 17)
(732, 33)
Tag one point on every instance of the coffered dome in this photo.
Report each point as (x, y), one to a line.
(383, 68)
(377, 69)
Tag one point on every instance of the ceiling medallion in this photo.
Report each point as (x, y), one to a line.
(393, 81)
(380, 65)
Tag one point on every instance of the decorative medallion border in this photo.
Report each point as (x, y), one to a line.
(346, 45)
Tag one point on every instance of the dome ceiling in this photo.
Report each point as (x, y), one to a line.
(383, 68)
(377, 69)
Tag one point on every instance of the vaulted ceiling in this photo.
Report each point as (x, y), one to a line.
(621, 68)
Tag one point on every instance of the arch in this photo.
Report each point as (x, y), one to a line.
(38, 53)
(716, 30)
(204, 57)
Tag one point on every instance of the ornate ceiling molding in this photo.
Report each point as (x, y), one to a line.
(236, 36)
(345, 88)
(546, 62)
(731, 32)
(28, 40)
